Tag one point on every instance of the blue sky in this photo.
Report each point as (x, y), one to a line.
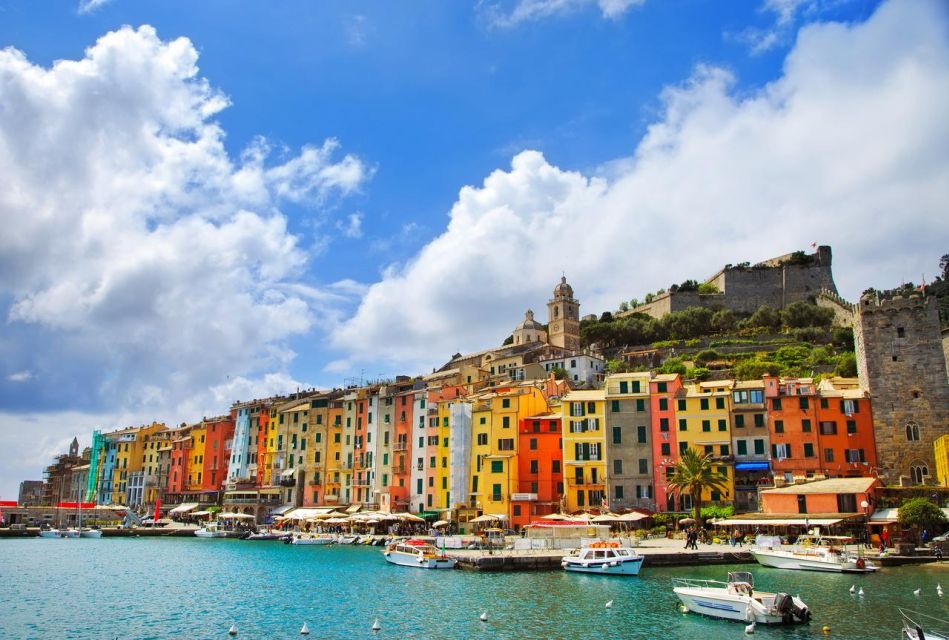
(220, 200)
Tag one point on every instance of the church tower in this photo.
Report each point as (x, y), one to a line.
(563, 318)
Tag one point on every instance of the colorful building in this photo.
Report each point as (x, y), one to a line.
(845, 429)
(703, 418)
(539, 485)
(584, 450)
(664, 390)
(629, 460)
(750, 443)
(941, 452)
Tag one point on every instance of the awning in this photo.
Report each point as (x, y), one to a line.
(201, 513)
(289, 473)
(305, 513)
(281, 510)
(429, 515)
(353, 508)
(823, 522)
(752, 466)
(184, 508)
(884, 516)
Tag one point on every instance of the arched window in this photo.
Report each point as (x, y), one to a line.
(912, 431)
(918, 473)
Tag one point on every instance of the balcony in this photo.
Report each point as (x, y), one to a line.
(400, 446)
(583, 484)
(331, 496)
(288, 482)
(524, 497)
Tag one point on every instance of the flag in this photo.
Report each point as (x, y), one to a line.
(813, 245)
(157, 509)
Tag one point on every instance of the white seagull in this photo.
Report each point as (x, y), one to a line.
(860, 593)
(853, 588)
(483, 617)
(376, 626)
(232, 631)
(916, 592)
(305, 631)
(609, 605)
(750, 628)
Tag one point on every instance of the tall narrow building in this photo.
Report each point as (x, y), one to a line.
(563, 318)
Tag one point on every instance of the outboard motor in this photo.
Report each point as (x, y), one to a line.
(784, 604)
(801, 613)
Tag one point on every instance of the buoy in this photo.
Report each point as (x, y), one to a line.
(232, 631)
(305, 631)
(825, 628)
(916, 593)
(376, 626)
(750, 628)
(853, 588)
(683, 608)
(483, 617)
(860, 593)
(609, 605)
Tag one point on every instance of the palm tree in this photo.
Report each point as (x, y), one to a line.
(694, 474)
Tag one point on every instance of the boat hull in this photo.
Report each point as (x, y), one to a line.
(729, 606)
(419, 561)
(313, 540)
(624, 567)
(201, 533)
(803, 562)
(90, 533)
(53, 533)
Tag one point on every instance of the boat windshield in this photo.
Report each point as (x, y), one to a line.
(741, 576)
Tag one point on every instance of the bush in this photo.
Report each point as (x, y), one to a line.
(842, 338)
(706, 356)
(821, 356)
(723, 321)
(754, 369)
(765, 317)
(708, 287)
(792, 357)
(802, 314)
(697, 373)
(846, 366)
(673, 365)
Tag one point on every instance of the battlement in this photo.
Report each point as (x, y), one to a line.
(873, 303)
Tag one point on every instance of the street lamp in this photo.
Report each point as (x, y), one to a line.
(866, 512)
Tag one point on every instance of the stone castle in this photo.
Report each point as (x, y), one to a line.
(777, 282)
(902, 364)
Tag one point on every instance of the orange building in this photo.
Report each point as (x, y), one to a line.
(540, 469)
(217, 451)
(662, 394)
(792, 427)
(843, 496)
(845, 429)
(401, 451)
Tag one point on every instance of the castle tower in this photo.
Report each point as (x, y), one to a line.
(901, 363)
(563, 318)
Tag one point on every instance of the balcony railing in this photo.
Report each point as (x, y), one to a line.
(400, 446)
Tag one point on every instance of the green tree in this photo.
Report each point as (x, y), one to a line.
(508, 340)
(723, 321)
(559, 373)
(694, 474)
(753, 369)
(705, 356)
(618, 366)
(673, 365)
(802, 314)
(708, 287)
(764, 317)
(846, 366)
(624, 306)
(792, 356)
(920, 513)
(697, 373)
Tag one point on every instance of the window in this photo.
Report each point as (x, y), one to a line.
(636, 386)
(662, 387)
(703, 404)
(614, 406)
(851, 426)
(759, 447)
(846, 503)
(849, 407)
(900, 332)
(706, 425)
(532, 444)
(775, 404)
(781, 451)
(663, 424)
(623, 386)
(617, 435)
(482, 439)
(496, 492)
(618, 492)
(506, 444)
(505, 403)
(665, 449)
(723, 449)
(759, 419)
(640, 404)
(555, 466)
(497, 466)
(641, 434)
(643, 466)
(912, 431)
(739, 421)
(808, 450)
(683, 447)
(723, 425)
(533, 466)
(683, 424)
(828, 428)
(618, 467)
(681, 405)
(806, 426)
(828, 455)
(918, 473)
(709, 449)
(779, 426)
(506, 422)
(591, 407)
(719, 403)
(741, 447)
(803, 403)
(855, 455)
(663, 404)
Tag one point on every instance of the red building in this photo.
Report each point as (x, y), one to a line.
(662, 398)
(540, 469)
(845, 432)
(792, 427)
(217, 451)
(402, 450)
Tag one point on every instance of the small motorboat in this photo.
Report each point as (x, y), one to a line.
(85, 532)
(936, 628)
(737, 600)
(211, 530)
(814, 553)
(605, 559)
(344, 539)
(313, 538)
(265, 535)
(56, 533)
(417, 553)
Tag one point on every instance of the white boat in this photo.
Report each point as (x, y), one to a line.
(913, 626)
(345, 539)
(265, 535)
(605, 559)
(59, 533)
(737, 600)
(313, 538)
(90, 533)
(211, 530)
(814, 553)
(417, 553)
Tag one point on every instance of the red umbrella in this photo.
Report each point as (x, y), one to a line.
(157, 511)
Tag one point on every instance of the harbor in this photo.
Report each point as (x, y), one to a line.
(188, 588)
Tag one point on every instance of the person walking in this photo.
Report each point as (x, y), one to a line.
(885, 537)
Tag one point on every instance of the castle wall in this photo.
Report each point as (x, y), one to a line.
(843, 310)
(901, 362)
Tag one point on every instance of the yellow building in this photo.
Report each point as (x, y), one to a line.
(199, 434)
(129, 471)
(584, 449)
(703, 415)
(291, 448)
(443, 433)
(496, 416)
(941, 447)
(333, 456)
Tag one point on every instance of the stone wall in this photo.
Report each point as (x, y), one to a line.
(901, 362)
(843, 310)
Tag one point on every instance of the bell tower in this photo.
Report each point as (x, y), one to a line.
(563, 318)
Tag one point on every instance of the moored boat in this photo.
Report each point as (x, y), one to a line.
(55, 533)
(211, 530)
(313, 538)
(605, 559)
(737, 600)
(90, 533)
(814, 553)
(913, 626)
(417, 553)
(265, 535)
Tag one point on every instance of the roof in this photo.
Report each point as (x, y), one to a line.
(784, 520)
(666, 377)
(749, 384)
(834, 485)
(715, 384)
(580, 396)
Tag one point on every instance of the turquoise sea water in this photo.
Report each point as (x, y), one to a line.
(182, 588)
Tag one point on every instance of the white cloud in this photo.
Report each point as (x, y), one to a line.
(19, 376)
(352, 228)
(88, 6)
(847, 148)
(532, 10)
(142, 262)
(786, 14)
